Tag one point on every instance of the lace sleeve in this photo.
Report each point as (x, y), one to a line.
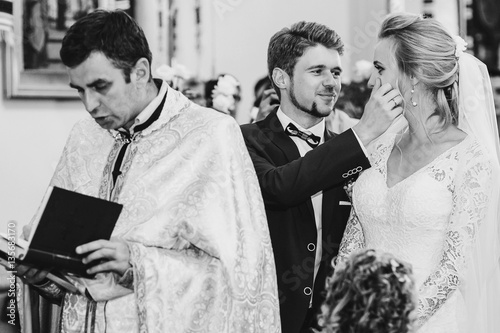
(472, 186)
(353, 239)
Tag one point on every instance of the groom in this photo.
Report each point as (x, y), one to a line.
(306, 206)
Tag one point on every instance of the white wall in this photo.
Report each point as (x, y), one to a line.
(32, 138)
(441, 10)
(363, 30)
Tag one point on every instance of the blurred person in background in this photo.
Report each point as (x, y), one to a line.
(265, 99)
(194, 89)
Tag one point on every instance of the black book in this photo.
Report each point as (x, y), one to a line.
(66, 220)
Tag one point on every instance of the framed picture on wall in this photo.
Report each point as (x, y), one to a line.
(33, 67)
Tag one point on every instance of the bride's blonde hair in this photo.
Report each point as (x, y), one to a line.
(424, 49)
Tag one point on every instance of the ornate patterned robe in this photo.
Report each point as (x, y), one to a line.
(194, 221)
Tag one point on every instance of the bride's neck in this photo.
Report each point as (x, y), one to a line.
(423, 126)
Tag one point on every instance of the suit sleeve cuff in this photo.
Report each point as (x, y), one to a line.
(360, 143)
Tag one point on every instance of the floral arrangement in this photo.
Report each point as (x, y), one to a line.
(174, 75)
(223, 97)
(224, 92)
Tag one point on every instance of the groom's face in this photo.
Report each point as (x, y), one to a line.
(315, 85)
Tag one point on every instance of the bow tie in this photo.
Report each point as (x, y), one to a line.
(311, 139)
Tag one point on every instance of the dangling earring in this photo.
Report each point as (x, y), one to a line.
(414, 104)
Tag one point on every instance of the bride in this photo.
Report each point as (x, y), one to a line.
(431, 197)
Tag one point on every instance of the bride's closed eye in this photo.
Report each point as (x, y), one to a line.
(379, 69)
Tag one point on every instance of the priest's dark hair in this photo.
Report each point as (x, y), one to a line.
(289, 44)
(114, 33)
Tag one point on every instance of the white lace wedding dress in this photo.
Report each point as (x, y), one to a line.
(428, 220)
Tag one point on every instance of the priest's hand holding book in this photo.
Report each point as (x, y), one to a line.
(102, 256)
(67, 221)
(106, 256)
(32, 275)
(29, 274)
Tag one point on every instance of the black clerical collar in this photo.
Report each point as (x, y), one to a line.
(152, 118)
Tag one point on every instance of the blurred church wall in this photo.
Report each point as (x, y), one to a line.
(32, 138)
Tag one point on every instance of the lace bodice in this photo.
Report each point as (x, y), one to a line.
(428, 219)
(399, 218)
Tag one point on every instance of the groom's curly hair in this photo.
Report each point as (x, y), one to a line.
(372, 293)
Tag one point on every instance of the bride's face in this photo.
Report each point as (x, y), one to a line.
(384, 64)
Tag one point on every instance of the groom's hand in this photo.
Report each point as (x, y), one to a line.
(382, 108)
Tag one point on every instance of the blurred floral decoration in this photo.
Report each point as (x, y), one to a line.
(221, 94)
(355, 94)
(175, 75)
(225, 94)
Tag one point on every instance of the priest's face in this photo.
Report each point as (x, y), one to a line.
(315, 85)
(112, 102)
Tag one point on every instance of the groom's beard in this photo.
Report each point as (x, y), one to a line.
(313, 110)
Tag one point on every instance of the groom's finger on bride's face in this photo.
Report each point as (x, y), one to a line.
(376, 86)
(392, 95)
(397, 111)
(384, 91)
(398, 100)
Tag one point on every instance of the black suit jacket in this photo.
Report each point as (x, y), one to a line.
(287, 182)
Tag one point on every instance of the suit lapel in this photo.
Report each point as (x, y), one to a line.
(272, 128)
